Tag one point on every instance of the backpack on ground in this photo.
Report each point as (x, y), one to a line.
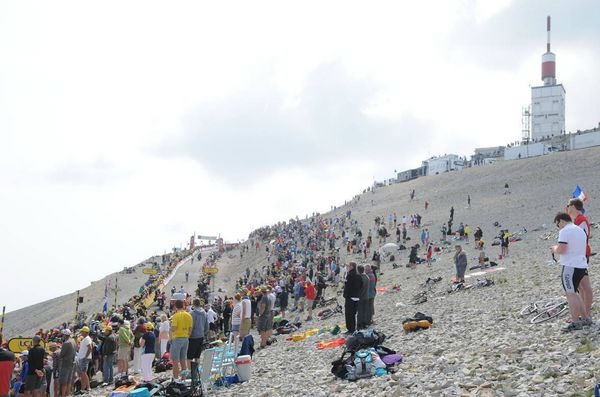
(179, 389)
(363, 365)
(364, 339)
(418, 322)
(162, 365)
(338, 367)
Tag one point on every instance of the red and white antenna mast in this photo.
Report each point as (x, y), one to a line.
(548, 60)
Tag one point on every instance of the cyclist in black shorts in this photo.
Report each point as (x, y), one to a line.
(571, 246)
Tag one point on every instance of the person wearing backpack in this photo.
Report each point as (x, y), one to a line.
(352, 297)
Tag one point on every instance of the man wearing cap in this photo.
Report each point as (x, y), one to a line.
(84, 357)
(246, 323)
(109, 348)
(55, 352)
(148, 343)
(66, 359)
(7, 363)
(35, 373)
(125, 343)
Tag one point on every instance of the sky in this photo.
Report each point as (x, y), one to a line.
(125, 127)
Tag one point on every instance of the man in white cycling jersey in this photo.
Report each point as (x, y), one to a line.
(571, 247)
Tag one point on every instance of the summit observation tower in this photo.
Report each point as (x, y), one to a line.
(548, 100)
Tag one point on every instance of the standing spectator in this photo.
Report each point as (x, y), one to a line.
(139, 330)
(227, 308)
(84, 357)
(55, 354)
(505, 239)
(467, 232)
(148, 343)
(429, 253)
(109, 348)
(343, 272)
(35, 371)
(212, 321)
(299, 296)
(66, 359)
(236, 315)
(575, 211)
(363, 303)
(320, 285)
(571, 246)
(246, 323)
(460, 262)
(264, 311)
(469, 200)
(199, 331)
(163, 333)
(372, 292)
(352, 297)
(283, 300)
(125, 337)
(311, 295)
(181, 325)
(7, 363)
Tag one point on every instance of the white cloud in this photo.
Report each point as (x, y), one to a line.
(333, 93)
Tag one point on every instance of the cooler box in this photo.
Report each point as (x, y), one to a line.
(244, 367)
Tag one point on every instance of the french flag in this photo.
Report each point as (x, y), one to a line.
(578, 193)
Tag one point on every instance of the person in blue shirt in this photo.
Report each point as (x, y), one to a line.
(148, 343)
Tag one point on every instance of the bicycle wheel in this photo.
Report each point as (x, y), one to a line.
(548, 303)
(550, 313)
(527, 310)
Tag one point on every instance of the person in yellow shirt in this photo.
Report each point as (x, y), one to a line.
(181, 328)
(467, 232)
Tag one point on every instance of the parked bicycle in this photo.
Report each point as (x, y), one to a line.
(330, 312)
(546, 309)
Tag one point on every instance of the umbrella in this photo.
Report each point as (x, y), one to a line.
(390, 246)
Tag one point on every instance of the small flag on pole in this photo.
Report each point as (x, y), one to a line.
(578, 193)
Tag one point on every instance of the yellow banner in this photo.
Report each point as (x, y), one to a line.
(18, 345)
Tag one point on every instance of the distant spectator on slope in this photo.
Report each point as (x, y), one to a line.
(460, 262)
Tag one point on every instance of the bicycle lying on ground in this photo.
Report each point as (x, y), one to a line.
(329, 312)
(323, 302)
(546, 309)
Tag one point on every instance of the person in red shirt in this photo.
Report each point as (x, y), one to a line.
(429, 253)
(575, 211)
(311, 294)
(7, 363)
